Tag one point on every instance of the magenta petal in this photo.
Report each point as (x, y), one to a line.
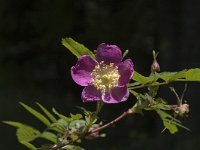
(90, 94)
(126, 72)
(120, 94)
(107, 98)
(117, 95)
(81, 72)
(108, 53)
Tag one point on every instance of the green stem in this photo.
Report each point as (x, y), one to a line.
(99, 107)
(156, 84)
(146, 85)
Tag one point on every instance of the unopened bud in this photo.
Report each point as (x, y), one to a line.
(155, 67)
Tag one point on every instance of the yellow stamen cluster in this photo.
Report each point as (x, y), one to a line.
(105, 77)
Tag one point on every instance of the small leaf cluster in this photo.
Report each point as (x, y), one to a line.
(59, 128)
(149, 100)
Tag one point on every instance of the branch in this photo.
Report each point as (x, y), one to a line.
(110, 123)
(93, 131)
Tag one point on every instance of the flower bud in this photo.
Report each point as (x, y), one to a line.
(155, 67)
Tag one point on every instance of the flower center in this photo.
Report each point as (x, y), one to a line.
(105, 77)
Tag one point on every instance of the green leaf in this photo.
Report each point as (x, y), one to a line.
(76, 117)
(163, 114)
(13, 123)
(49, 115)
(179, 124)
(171, 76)
(153, 90)
(45, 147)
(24, 132)
(73, 147)
(67, 119)
(76, 48)
(76, 124)
(62, 123)
(56, 127)
(193, 74)
(49, 136)
(142, 79)
(135, 93)
(185, 75)
(171, 127)
(178, 75)
(73, 136)
(38, 115)
(167, 121)
(133, 84)
(27, 133)
(170, 122)
(165, 75)
(158, 104)
(28, 145)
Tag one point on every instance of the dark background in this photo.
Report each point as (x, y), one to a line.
(34, 66)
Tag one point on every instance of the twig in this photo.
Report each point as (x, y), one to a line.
(110, 123)
(92, 131)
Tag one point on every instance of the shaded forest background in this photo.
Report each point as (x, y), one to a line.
(34, 66)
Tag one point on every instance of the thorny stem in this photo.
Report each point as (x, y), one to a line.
(109, 124)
